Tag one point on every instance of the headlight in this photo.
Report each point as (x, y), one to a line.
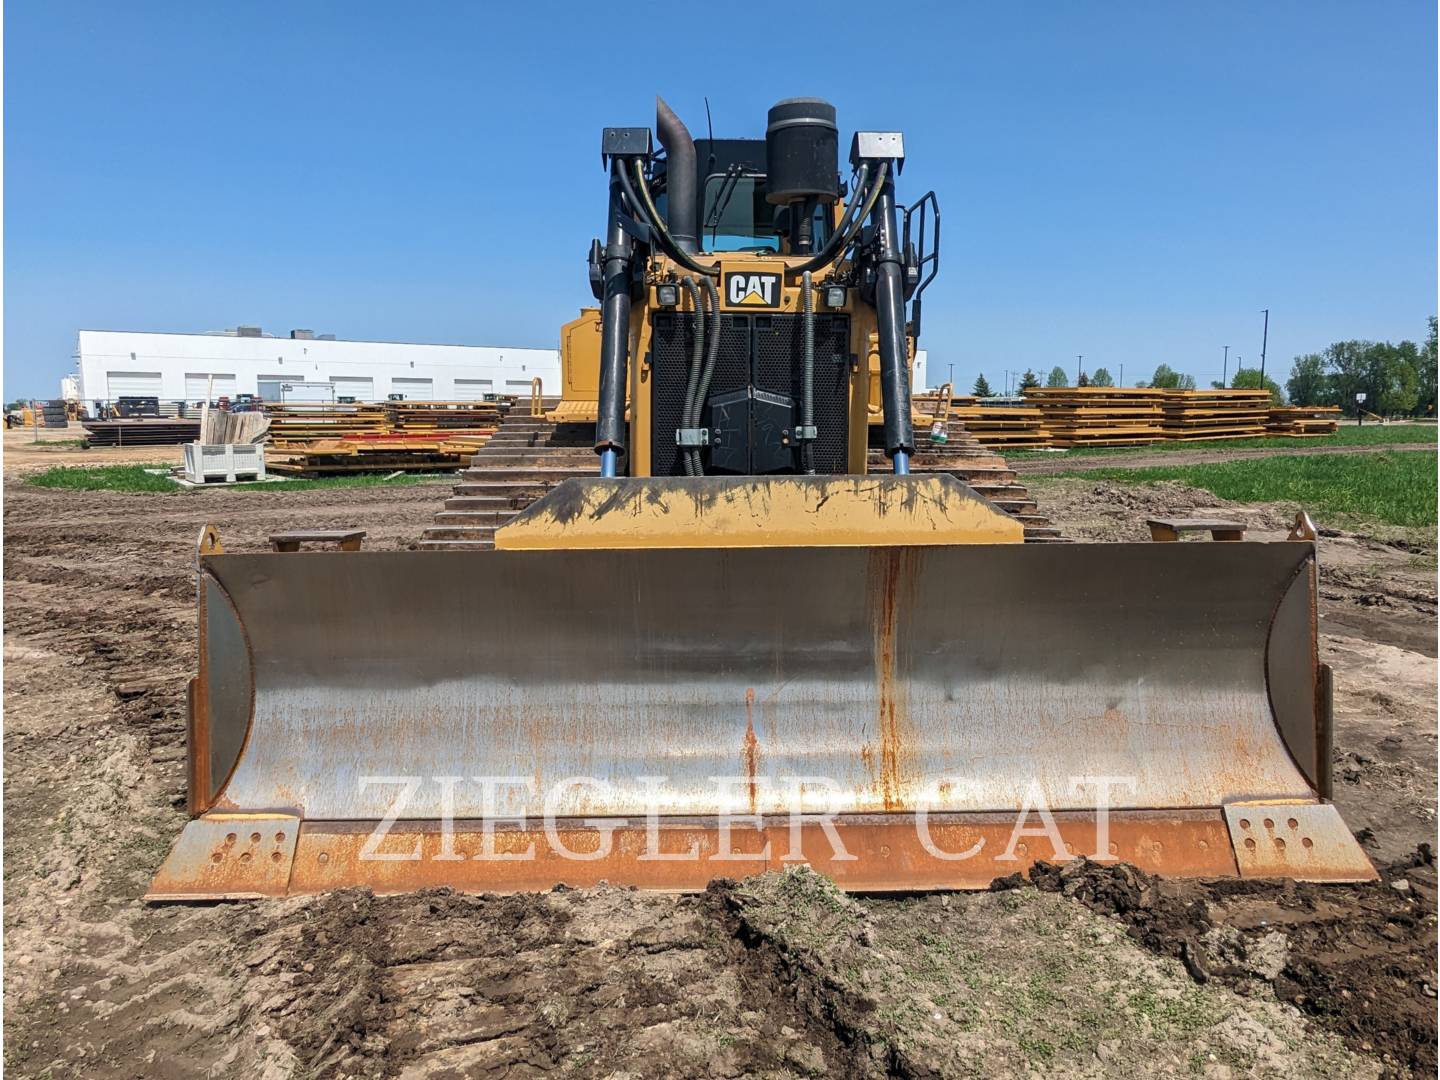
(667, 295)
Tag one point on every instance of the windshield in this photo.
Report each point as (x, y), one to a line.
(737, 217)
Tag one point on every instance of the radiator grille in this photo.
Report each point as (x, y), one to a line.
(762, 351)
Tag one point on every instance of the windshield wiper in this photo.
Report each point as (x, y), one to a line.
(722, 199)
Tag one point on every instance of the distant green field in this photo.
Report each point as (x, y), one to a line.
(1391, 488)
(1347, 435)
(137, 479)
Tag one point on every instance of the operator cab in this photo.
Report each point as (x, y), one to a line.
(733, 206)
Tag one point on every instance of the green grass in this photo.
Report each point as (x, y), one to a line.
(355, 480)
(139, 480)
(1389, 488)
(1347, 435)
(131, 478)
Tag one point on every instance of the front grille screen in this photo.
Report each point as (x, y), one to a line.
(759, 352)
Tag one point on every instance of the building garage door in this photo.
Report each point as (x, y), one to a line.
(120, 384)
(196, 385)
(520, 387)
(354, 386)
(473, 389)
(414, 389)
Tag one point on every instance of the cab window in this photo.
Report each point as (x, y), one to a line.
(737, 217)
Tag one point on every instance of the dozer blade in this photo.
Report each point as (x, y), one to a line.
(898, 717)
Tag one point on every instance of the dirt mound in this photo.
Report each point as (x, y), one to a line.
(1359, 958)
(1007, 984)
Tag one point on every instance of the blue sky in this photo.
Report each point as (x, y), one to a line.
(1130, 181)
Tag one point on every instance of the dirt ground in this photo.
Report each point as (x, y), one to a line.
(27, 449)
(1085, 972)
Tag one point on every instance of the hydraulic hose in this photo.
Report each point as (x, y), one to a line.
(844, 233)
(688, 418)
(712, 353)
(807, 397)
(641, 197)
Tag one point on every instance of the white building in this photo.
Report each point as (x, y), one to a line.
(301, 367)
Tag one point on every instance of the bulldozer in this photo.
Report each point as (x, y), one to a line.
(738, 647)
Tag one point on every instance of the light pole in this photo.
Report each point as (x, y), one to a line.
(1264, 341)
(952, 378)
(1122, 375)
(1078, 371)
(1225, 368)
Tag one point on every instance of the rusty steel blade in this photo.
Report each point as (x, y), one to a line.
(977, 679)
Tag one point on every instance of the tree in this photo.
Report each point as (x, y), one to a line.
(1029, 381)
(981, 387)
(1166, 378)
(1392, 377)
(1101, 377)
(1309, 384)
(1425, 390)
(1057, 377)
(1249, 379)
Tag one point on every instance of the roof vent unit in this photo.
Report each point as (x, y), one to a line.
(247, 331)
(302, 335)
(324, 337)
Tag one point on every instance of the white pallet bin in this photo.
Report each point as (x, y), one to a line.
(229, 462)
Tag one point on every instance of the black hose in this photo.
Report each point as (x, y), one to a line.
(850, 222)
(712, 348)
(691, 456)
(807, 397)
(641, 197)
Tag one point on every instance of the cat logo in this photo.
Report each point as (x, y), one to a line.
(744, 289)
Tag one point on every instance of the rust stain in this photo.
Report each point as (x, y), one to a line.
(891, 572)
(751, 749)
(887, 855)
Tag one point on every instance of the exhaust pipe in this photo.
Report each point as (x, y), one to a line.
(682, 213)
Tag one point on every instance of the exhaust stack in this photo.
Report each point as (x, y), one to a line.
(682, 213)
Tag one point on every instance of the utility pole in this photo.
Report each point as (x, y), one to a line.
(1225, 368)
(1264, 341)
(1078, 371)
(952, 378)
(1122, 375)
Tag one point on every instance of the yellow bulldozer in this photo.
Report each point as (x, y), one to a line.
(735, 648)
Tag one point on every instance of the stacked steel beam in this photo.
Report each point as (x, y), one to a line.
(1099, 415)
(140, 432)
(1303, 421)
(1192, 415)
